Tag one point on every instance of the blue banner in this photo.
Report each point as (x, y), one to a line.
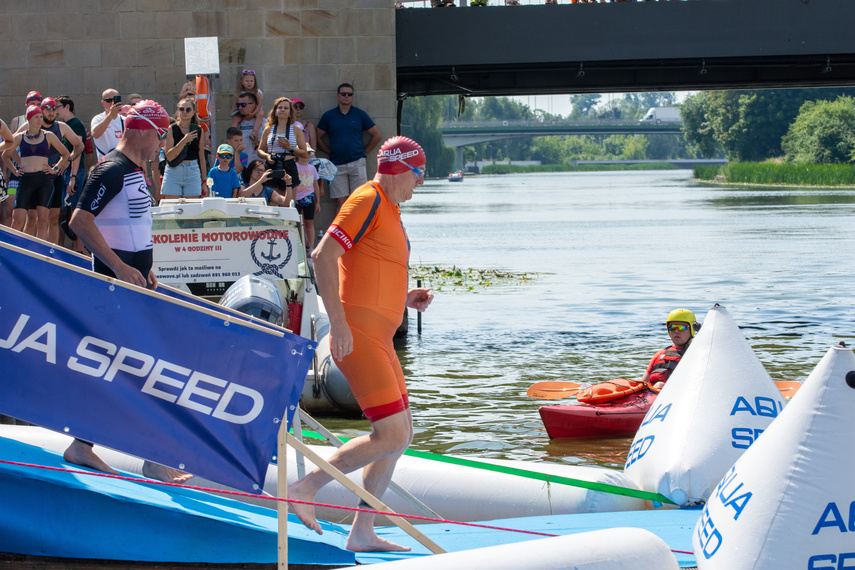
(136, 371)
(36, 245)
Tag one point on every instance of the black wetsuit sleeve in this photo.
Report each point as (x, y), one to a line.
(104, 183)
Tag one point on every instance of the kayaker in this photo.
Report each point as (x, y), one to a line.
(682, 327)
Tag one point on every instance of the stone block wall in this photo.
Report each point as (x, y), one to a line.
(302, 48)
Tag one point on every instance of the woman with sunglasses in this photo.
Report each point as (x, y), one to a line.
(248, 83)
(682, 327)
(186, 140)
(281, 142)
(256, 178)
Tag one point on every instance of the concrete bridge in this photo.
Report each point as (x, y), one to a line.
(462, 133)
(459, 134)
(626, 46)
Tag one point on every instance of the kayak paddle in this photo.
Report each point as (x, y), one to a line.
(553, 390)
(788, 388)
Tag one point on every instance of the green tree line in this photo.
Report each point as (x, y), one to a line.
(790, 125)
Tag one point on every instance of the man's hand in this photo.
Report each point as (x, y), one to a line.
(130, 275)
(419, 298)
(152, 280)
(341, 340)
(114, 111)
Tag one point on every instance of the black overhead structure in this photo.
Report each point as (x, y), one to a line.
(625, 46)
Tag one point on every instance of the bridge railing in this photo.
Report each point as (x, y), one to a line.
(538, 123)
(465, 3)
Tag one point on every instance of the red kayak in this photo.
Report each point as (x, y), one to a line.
(621, 416)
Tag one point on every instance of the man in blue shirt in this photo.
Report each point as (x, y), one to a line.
(344, 126)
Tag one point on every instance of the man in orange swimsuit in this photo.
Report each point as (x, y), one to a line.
(361, 268)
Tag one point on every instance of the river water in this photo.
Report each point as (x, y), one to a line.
(607, 255)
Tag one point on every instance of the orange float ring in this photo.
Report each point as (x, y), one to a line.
(611, 390)
(202, 89)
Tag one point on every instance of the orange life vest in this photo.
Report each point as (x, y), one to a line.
(663, 364)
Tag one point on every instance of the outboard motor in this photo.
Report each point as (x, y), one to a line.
(259, 297)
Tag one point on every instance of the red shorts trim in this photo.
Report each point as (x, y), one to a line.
(386, 410)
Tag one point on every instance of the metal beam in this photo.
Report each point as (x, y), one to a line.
(626, 46)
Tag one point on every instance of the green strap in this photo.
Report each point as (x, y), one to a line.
(593, 486)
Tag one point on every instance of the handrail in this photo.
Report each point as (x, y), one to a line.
(263, 213)
(178, 211)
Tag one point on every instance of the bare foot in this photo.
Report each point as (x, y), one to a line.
(163, 473)
(370, 542)
(81, 453)
(306, 513)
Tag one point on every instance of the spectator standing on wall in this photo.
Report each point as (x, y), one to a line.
(344, 125)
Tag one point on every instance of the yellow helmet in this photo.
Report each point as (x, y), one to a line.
(683, 316)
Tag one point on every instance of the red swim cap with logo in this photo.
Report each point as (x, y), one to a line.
(147, 115)
(395, 152)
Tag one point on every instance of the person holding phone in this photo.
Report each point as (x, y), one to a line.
(281, 142)
(107, 127)
(256, 178)
(185, 155)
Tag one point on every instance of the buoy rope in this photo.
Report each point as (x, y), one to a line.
(282, 499)
(547, 478)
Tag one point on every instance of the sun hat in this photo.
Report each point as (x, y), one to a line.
(225, 148)
(397, 151)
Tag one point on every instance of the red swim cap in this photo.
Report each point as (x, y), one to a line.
(147, 115)
(49, 101)
(33, 110)
(395, 152)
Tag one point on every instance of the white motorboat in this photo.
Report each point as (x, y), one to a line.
(203, 246)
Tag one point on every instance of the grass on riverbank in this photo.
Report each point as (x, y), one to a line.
(457, 279)
(766, 173)
(519, 169)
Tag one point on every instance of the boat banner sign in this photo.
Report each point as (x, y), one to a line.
(210, 255)
(134, 370)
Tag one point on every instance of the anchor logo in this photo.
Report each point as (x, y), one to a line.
(267, 267)
(270, 256)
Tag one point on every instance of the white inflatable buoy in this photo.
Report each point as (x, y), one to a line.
(609, 549)
(716, 403)
(455, 492)
(789, 501)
